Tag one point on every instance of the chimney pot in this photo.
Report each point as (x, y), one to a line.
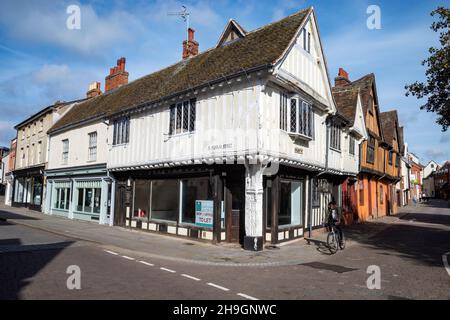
(94, 90)
(190, 46)
(342, 79)
(117, 76)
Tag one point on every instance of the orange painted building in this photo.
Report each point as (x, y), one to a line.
(373, 194)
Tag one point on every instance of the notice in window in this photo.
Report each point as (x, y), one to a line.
(204, 213)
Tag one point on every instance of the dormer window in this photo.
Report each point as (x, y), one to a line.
(306, 40)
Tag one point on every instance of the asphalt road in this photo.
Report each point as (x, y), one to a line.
(409, 254)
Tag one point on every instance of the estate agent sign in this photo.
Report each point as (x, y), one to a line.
(204, 213)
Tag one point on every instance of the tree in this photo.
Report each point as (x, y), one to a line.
(437, 87)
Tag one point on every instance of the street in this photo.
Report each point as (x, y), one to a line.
(409, 250)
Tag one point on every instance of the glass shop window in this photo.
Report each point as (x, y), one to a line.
(89, 200)
(165, 200)
(192, 190)
(62, 198)
(291, 203)
(141, 199)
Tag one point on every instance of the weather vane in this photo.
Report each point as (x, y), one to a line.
(185, 15)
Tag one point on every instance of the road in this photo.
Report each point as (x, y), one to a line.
(410, 253)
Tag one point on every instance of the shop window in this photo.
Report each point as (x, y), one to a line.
(37, 191)
(192, 190)
(89, 200)
(315, 201)
(141, 199)
(291, 203)
(165, 200)
(62, 198)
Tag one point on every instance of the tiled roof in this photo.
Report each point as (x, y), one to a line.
(346, 99)
(389, 121)
(259, 48)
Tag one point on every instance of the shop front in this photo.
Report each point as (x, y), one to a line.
(82, 193)
(28, 188)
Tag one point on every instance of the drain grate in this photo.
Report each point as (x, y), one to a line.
(329, 267)
(188, 244)
(272, 247)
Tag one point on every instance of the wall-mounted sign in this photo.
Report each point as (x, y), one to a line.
(204, 213)
(220, 146)
(298, 150)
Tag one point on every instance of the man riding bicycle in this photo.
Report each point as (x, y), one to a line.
(333, 219)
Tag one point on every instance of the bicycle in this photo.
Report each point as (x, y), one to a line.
(334, 241)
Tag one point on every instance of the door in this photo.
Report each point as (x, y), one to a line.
(235, 211)
(120, 206)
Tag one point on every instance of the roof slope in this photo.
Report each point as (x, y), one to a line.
(389, 121)
(258, 48)
(346, 99)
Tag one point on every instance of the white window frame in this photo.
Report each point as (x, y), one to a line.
(92, 150)
(303, 112)
(121, 131)
(335, 136)
(65, 151)
(177, 124)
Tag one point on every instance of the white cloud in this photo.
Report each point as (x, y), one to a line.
(436, 153)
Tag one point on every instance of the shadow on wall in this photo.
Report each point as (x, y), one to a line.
(19, 263)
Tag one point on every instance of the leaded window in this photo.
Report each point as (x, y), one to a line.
(121, 132)
(182, 117)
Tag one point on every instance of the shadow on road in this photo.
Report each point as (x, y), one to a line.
(19, 263)
(5, 215)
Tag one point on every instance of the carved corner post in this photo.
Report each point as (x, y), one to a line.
(254, 191)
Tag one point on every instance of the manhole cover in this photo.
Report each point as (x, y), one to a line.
(329, 267)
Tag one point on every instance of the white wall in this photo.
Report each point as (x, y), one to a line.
(226, 124)
(78, 146)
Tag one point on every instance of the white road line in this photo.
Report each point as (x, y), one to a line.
(217, 286)
(190, 277)
(247, 296)
(445, 261)
(146, 263)
(168, 270)
(128, 258)
(112, 252)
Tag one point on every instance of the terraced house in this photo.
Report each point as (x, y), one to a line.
(240, 143)
(380, 157)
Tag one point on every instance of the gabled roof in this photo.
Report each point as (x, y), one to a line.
(258, 49)
(232, 26)
(346, 101)
(389, 123)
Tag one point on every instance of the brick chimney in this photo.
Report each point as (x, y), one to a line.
(94, 90)
(190, 47)
(117, 76)
(342, 79)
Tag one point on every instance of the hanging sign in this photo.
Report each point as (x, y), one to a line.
(204, 213)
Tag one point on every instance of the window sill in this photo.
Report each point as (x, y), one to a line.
(298, 135)
(120, 145)
(181, 134)
(336, 150)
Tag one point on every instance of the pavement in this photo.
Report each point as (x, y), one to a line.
(115, 263)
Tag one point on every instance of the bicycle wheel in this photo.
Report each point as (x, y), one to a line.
(332, 242)
(342, 242)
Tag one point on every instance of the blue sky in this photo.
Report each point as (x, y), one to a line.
(42, 61)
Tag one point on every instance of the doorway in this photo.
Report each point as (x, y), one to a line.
(235, 209)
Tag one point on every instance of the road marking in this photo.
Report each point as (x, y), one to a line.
(190, 277)
(445, 261)
(128, 258)
(112, 252)
(146, 263)
(247, 296)
(168, 270)
(217, 286)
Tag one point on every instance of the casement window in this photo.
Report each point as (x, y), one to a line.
(121, 132)
(65, 151)
(283, 111)
(397, 160)
(92, 146)
(315, 199)
(296, 116)
(335, 136)
(391, 154)
(306, 40)
(352, 143)
(370, 157)
(182, 117)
